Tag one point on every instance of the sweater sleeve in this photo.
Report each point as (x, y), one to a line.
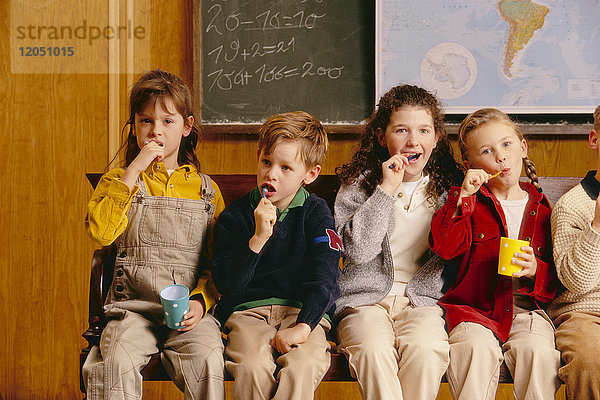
(107, 211)
(451, 235)
(576, 245)
(363, 222)
(233, 263)
(320, 287)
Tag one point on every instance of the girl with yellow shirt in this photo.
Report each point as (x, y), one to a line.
(159, 211)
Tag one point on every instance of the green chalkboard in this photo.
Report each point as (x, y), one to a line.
(260, 58)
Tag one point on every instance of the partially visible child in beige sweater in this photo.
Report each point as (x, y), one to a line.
(576, 312)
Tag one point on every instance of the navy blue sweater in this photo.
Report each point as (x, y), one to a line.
(299, 264)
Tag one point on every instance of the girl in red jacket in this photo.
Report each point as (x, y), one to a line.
(494, 318)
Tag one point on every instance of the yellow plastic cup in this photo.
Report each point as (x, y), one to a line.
(508, 248)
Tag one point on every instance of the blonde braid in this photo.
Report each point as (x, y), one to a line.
(531, 174)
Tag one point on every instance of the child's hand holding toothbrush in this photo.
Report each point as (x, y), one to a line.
(265, 216)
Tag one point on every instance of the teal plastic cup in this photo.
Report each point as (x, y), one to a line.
(175, 300)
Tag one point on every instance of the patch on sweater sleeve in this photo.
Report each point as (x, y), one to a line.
(334, 241)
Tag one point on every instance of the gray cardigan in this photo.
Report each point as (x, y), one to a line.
(365, 224)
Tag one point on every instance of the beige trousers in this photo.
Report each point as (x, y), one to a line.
(193, 359)
(259, 371)
(395, 350)
(529, 353)
(578, 339)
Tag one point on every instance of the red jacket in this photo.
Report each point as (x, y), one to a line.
(472, 240)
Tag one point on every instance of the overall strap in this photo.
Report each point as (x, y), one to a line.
(208, 192)
(142, 186)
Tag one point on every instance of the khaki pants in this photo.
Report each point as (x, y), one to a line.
(395, 350)
(193, 359)
(578, 339)
(259, 371)
(530, 355)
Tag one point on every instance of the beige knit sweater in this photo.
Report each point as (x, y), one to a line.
(576, 253)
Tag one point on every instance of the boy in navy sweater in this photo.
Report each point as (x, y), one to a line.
(275, 262)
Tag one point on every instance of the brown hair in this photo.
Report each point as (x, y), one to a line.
(484, 116)
(597, 120)
(159, 86)
(442, 168)
(295, 126)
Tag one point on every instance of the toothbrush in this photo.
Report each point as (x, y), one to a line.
(264, 192)
(392, 166)
(472, 182)
(495, 175)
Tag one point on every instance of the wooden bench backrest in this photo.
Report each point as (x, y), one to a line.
(235, 186)
(555, 186)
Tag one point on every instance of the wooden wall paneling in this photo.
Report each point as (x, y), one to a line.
(562, 155)
(129, 58)
(341, 149)
(9, 136)
(227, 153)
(54, 128)
(171, 37)
(114, 89)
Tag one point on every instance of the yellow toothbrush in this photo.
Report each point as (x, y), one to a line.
(495, 175)
(473, 181)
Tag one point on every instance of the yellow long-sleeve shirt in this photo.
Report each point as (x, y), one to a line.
(106, 217)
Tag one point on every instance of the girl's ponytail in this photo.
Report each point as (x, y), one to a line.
(531, 174)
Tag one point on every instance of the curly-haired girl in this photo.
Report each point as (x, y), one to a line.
(390, 325)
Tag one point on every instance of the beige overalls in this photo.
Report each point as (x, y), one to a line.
(160, 246)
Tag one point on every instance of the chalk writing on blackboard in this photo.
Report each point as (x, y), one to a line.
(260, 58)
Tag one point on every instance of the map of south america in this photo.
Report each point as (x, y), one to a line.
(523, 56)
(524, 17)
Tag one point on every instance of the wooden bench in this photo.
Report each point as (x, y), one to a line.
(233, 187)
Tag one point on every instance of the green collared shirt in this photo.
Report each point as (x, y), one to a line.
(298, 201)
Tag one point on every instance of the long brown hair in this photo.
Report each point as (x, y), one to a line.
(153, 86)
(485, 116)
(441, 167)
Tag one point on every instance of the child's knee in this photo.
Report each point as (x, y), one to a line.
(253, 366)
(534, 352)
(428, 352)
(586, 361)
(373, 352)
(304, 357)
(124, 358)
